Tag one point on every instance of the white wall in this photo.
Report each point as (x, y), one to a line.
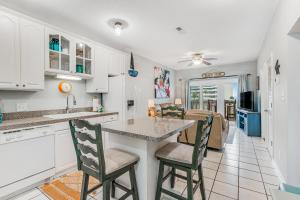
(141, 88)
(286, 100)
(47, 99)
(231, 69)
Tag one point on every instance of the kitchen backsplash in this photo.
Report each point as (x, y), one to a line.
(48, 99)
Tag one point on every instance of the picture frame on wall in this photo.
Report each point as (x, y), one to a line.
(162, 87)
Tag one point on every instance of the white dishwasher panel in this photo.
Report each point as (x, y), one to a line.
(22, 159)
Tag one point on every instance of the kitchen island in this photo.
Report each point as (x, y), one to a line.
(144, 136)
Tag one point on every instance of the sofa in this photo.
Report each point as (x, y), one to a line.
(219, 131)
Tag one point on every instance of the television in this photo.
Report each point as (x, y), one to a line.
(246, 100)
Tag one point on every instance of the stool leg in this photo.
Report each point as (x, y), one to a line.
(200, 174)
(135, 195)
(106, 190)
(84, 186)
(113, 189)
(172, 179)
(159, 180)
(190, 192)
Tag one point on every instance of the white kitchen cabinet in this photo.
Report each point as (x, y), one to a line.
(58, 52)
(84, 59)
(65, 156)
(32, 55)
(22, 57)
(116, 63)
(99, 84)
(9, 53)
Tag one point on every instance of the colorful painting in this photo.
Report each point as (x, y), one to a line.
(161, 83)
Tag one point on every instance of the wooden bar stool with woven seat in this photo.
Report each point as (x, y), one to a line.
(104, 165)
(186, 158)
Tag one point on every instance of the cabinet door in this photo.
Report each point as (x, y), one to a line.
(99, 84)
(9, 51)
(116, 63)
(84, 59)
(65, 156)
(32, 55)
(58, 50)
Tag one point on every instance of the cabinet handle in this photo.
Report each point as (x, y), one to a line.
(17, 85)
(24, 85)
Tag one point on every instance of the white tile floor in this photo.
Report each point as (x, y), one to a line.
(242, 171)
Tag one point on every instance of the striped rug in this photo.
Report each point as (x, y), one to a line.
(67, 187)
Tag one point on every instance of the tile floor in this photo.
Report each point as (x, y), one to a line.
(242, 171)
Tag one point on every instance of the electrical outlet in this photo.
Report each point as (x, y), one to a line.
(22, 107)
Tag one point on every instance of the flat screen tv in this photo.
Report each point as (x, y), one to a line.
(246, 100)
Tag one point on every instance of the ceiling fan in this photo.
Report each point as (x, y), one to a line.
(197, 59)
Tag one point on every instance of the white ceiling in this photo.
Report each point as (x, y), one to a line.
(231, 30)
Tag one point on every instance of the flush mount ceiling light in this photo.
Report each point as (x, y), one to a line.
(118, 28)
(118, 25)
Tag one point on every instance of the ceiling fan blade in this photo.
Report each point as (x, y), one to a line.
(205, 62)
(210, 58)
(187, 60)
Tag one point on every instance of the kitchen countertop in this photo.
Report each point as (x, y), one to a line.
(148, 128)
(38, 121)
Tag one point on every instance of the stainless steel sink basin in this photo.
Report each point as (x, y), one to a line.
(70, 115)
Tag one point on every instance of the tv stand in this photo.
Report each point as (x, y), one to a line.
(249, 122)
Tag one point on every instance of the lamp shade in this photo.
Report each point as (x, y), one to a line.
(178, 101)
(151, 103)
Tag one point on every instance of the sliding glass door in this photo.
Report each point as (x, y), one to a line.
(195, 97)
(212, 95)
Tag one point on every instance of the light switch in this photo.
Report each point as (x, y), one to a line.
(22, 107)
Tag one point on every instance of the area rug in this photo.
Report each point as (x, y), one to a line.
(67, 187)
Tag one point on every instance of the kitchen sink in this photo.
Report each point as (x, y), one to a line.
(70, 115)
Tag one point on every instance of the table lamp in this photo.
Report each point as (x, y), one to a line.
(178, 102)
(151, 108)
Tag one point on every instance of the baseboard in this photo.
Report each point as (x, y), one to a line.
(278, 172)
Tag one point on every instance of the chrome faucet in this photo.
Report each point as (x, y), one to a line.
(74, 102)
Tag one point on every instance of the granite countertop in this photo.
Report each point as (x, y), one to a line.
(38, 121)
(148, 128)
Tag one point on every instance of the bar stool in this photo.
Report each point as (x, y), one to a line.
(104, 165)
(185, 158)
(176, 113)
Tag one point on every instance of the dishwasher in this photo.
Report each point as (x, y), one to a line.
(27, 157)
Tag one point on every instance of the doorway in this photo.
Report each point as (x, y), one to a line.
(213, 94)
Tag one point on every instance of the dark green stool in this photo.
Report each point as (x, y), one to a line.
(173, 111)
(106, 166)
(186, 158)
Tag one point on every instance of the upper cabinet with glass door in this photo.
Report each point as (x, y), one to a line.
(58, 52)
(84, 59)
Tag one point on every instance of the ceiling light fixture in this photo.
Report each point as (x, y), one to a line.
(118, 28)
(197, 61)
(68, 77)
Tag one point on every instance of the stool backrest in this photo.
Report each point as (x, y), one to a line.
(88, 145)
(202, 137)
(172, 112)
